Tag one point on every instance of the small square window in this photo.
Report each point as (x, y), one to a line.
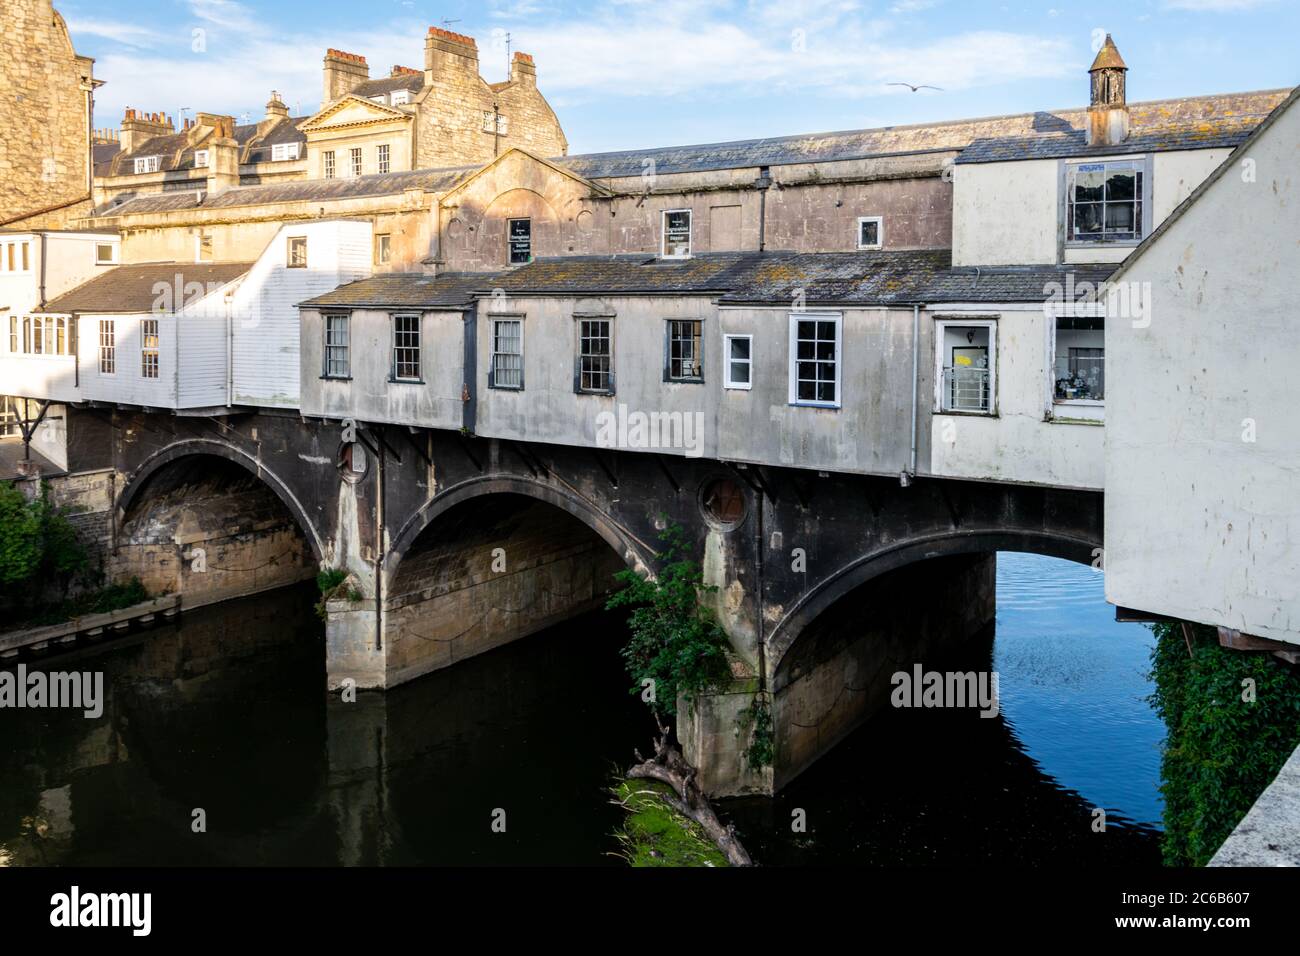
(200, 159)
(105, 254)
(871, 233)
(297, 258)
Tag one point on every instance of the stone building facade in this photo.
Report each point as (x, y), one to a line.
(45, 119)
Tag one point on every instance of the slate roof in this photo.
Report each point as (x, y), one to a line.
(823, 278)
(130, 289)
(398, 290)
(175, 153)
(1192, 122)
(381, 184)
(1198, 122)
(390, 84)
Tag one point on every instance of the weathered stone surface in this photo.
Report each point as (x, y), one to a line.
(1269, 835)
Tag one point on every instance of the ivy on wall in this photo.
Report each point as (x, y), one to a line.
(1233, 719)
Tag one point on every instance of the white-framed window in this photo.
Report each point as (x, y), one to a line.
(383, 158)
(328, 168)
(202, 248)
(148, 164)
(401, 97)
(506, 369)
(338, 358)
(495, 123)
(871, 232)
(356, 161)
(149, 348)
(107, 347)
(676, 243)
(1079, 360)
(737, 361)
(684, 351)
(383, 249)
(406, 348)
(595, 356)
(200, 159)
(815, 348)
(519, 233)
(11, 416)
(105, 253)
(1107, 201)
(281, 152)
(296, 254)
(380, 98)
(14, 347)
(966, 363)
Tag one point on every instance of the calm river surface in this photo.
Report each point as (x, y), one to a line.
(223, 713)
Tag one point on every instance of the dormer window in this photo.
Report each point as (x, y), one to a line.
(281, 152)
(148, 164)
(200, 158)
(401, 97)
(1107, 201)
(378, 99)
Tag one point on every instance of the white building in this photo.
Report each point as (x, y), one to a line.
(1203, 441)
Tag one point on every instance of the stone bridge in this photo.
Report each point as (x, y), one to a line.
(826, 583)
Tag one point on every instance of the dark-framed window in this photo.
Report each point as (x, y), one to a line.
(596, 355)
(676, 234)
(406, 347)
(1106, 201)
(684, 351)
(507, 365)
(520, 233)
(338, 336)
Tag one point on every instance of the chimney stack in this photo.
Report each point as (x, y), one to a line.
(523, 70)
(1108, 119)
(138, 128)
(343, 73)
(276, 108)
(447, 52)
(223, 164)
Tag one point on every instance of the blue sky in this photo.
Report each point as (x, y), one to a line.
(625, 74)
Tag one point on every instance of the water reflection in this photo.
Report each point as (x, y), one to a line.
(224, 711)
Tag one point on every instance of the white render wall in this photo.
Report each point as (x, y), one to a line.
(1203, 439)
(1029, 440)
(265, 329)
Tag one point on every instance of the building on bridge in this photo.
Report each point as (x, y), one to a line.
(854, 364)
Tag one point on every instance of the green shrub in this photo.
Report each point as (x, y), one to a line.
(1222, 750)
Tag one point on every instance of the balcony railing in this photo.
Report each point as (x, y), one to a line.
(966, 389)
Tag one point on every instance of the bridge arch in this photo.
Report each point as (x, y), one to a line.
(873, 564)
(193, 447)
(636, 554)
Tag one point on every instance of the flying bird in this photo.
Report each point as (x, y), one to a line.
(923, 86)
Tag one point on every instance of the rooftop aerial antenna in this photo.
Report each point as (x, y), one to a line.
(508, 36)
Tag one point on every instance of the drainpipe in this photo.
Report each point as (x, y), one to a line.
(916, 385)
(763, 183)
(43, 248)
(379, 545)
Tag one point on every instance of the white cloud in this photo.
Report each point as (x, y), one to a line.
(128, 34)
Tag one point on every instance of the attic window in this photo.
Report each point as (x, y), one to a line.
(200, 158)
(378, 99)
(401, 97)
(870, 232)
(148, 164)
(284, 151)
(1106, 202)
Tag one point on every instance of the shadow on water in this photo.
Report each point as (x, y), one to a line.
(919, 787)
(225, 711)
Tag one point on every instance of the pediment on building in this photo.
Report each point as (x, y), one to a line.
(527, 167)
(350, 111)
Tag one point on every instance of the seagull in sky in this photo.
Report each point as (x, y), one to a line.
(923, 86)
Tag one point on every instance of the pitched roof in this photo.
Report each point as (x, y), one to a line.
(639, 273)
(1198, 122)
(1231, 115)
(131, 289)
(403, 290)
(175, 153)
(381, 184)
(390, 84)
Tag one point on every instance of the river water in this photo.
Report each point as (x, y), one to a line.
(217, 746)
